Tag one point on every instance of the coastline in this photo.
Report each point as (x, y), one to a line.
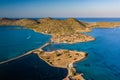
(78, 76)
(59, 36)
(61, 63)
(69, 67)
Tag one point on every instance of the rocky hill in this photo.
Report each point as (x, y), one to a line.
(61, 27)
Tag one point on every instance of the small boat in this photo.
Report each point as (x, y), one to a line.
(28, 37)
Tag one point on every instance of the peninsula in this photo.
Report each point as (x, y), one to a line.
(62, 31)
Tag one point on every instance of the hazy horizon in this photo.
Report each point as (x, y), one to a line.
(60, 8)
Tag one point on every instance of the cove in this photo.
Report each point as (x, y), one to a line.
(102, 62)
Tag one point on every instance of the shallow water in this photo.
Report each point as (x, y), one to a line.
(102, 62)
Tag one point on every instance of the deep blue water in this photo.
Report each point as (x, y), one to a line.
(102, 62)
(30, 67)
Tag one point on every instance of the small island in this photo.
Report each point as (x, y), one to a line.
(63, 59)
(60, 58)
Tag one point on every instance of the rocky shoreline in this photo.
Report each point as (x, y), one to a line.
(62, 59)
(74, 38)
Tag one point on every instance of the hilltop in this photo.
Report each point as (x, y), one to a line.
(56, 27)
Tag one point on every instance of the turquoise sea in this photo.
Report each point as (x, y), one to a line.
(102, 62)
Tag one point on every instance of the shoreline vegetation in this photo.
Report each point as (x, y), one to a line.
(62, 31)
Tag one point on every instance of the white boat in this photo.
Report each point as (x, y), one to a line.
(28, 37)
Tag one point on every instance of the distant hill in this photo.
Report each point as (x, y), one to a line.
(61, 27)
(49, 25)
